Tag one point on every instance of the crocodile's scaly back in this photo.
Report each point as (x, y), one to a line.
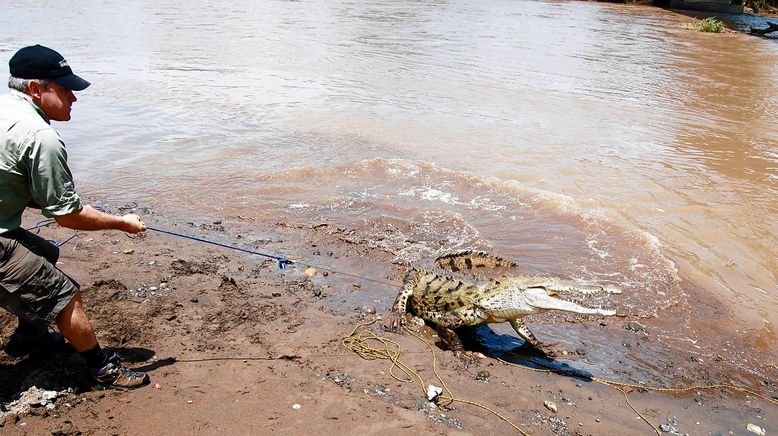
(469, 260)
(434, 292)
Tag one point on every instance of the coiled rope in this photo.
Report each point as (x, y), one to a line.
(361, 340)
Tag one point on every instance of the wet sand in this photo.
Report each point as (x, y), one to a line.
(234, 345)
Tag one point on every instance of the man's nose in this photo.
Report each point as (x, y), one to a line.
(72, 96)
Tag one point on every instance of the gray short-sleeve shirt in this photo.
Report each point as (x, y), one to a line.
(33, 164)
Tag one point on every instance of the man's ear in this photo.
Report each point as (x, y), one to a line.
(34, 90)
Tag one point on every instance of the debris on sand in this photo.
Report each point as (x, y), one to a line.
(32, 397)
(753, 428)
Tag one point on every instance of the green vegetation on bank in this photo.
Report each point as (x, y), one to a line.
(762, 5)
(710, 24)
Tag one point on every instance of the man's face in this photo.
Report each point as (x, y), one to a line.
(55, 100)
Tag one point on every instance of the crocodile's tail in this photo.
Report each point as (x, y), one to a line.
(466, 260)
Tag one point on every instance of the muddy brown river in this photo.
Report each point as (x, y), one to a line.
(604, 143)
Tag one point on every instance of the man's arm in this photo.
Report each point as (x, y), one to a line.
(89, 218)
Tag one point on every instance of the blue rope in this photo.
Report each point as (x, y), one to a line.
(283, 262)
(40, 224)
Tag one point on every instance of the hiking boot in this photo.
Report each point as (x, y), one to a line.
(114, 375)
(37, 343)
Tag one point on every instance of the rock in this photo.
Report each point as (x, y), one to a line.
(310, 272)
(580, 351)
(483, 376)
(276, 294)
(665, 428)
(550, 405)
(753, 428)
(635, 326)
(296, 406)
(194, 300)
(367, 309)
(433, 392)
(128, 251)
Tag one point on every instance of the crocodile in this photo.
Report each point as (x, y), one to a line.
(438, 295)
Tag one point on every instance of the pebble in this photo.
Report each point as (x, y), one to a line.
(433, 392)
(194, 300)
(157, 386)
(153, 288)
(550, 405)
(635, 326)
(188, 401)
(128, 251)
(753, 428)
(276, 294)
(483, 375)
(310, 272)
(296, 406)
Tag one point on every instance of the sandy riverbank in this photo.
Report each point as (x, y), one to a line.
(236, 346)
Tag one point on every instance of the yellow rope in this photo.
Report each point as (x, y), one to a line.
(360, 338)
(619, 386)
(359, 342)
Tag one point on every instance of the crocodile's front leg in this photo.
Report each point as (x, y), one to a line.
(399, 315)
(530, 340)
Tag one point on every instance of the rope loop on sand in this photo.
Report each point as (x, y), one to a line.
(361, 341)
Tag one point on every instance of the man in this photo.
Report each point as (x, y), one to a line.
(34, 173)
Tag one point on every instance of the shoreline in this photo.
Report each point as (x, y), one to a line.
(233, 344)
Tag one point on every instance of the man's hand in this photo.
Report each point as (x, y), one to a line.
(133, 224)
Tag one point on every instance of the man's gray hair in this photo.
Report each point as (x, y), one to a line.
(21, 84)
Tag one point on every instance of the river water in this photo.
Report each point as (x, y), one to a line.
(605, 143)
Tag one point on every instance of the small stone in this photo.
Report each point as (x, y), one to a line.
(157, 386)
(128, 251)
(368, 309)
(753, 428)
(665, 428)
(153, 288)
(188, 401)
(276, 294)
(550, 405)
(580, 351)
(433, 392)
(483, 376)
(296, 406)
(635, 326)
(194, 300)
(310, 272)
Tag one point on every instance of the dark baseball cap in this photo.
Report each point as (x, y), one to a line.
(39, 62)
